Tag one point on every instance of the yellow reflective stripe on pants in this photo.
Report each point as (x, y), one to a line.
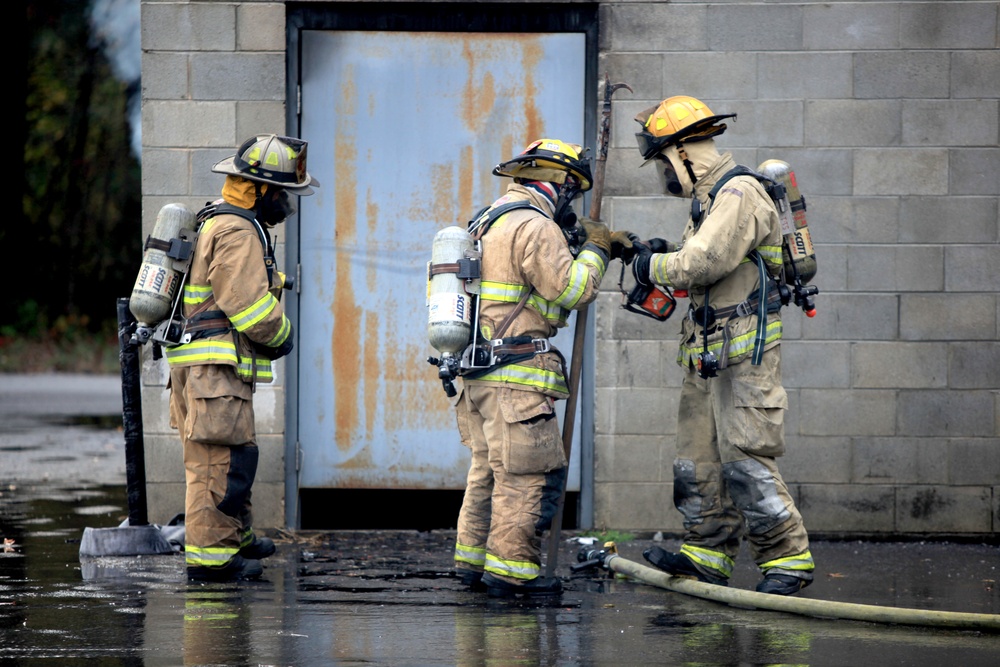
(471, 555)
(688, 355)
(713, 560)
(528, 376)
(802, 562)
(209, 556)
(512, 568)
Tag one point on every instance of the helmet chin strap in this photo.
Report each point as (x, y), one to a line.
(687, 165)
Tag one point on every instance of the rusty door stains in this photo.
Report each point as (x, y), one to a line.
(403, 129)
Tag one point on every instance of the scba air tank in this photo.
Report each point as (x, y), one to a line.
(799, 254)
(449, 304)
(160, 276)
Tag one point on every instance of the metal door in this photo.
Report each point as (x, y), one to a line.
(403, 130)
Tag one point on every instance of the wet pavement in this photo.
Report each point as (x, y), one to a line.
(389, 597)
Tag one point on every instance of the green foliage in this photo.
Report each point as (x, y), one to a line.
(616, 536)
(81, 195)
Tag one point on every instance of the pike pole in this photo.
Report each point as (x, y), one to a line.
(580, 332)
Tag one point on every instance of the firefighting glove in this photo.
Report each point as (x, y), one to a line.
(597, 235)
(659, 246)
(640, 263)
(621, 246)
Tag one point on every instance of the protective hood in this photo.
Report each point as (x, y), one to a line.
(701, 155)
(241, 192)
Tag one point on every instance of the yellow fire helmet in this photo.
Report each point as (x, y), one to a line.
(268, 158)
(675, 119)
(549, 160)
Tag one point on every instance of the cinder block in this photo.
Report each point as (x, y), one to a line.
(637, 507)
(899, 365)
(728, 75)
(631, 364)
(847, 507)
(953, 413)
(164, 76)
(950, 122)
(899, 461)
(205, 182)
(253, 118)
(164, 501)
(738, 27)
(901, 74)
(271, 464)
(800, 75)
(948, 25)
(846, 122)
(645, 412)
(188, 26)
(643, 72)
(763, 123)
(623, 177)
(629, 458)
(974, 462)
(268, 505)
(850, 26)
(815, 364)
(164, 171)
(948, 220)
(237, 76)
(269, 408)
(851, 220)
(821, 171)
(816, 460)
(839, 412)
(626, 325)
(188, 124)
(854, 316)
(943, 509)
(656, 215)
(624, 108)
(659, 26)
(604, 410)
(975, 74)
(164, 457)
(900, 268)
(901, 171)
(972, 268)
(260, 27)
(155, 372)
(833, 269)
(947, 317)
(156, 410)
(974, 365)
(974, 171)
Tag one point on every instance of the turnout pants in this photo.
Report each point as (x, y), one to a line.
(514, 482)
(726, 481)
(213, 410)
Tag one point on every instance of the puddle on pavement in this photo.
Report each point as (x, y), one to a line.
(391, 598)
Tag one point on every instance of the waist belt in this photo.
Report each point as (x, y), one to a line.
(503, 351)
(746, 307)
(209, 323)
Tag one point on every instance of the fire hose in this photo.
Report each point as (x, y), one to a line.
(609, 559)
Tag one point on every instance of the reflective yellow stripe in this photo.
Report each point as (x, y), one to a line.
(471, 555)
(771, 254)
(203, 351)
(209, 556)
(529, 376)
(688, 355)
(518, 569)
(195, 295)
(255, 313)
(282, 335)
(713, 560)
(591, 258)
(803, 561)
(659, 270)
(512, 293)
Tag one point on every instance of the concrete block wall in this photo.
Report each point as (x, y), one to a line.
(888, 113)
(213, 74)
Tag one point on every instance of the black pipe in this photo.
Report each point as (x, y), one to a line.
(135, 457)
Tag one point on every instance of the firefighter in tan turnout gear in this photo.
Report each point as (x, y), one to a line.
(506, 414)
(231, 309)
(730, 421)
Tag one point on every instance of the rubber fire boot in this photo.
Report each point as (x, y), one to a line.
(680, 565)
(472, 579)
(781, 584)
(237, 569)
(261, 547)
(539, 586)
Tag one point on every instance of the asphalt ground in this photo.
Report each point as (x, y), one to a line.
(390, 597)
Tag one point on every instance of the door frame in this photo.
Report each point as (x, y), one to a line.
(438, 17)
